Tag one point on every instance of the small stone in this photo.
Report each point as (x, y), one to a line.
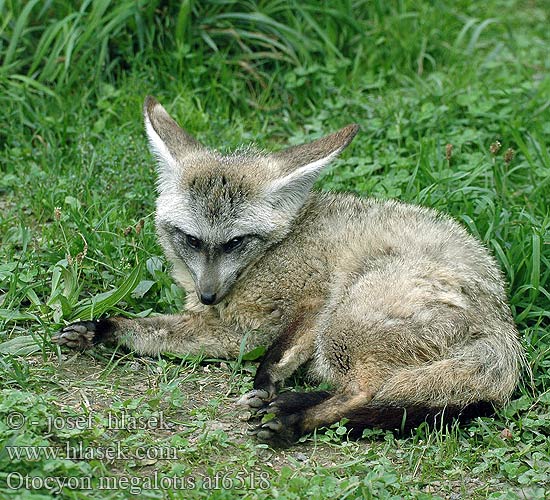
(245, 416)
(506, 434)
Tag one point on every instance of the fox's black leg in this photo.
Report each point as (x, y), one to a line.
(264, 385)
(295, 414)
(266, 375)
(291, 349)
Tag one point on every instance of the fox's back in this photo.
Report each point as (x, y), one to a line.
(338, 237)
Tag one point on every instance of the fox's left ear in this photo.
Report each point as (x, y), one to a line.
(168, 141)
(304, 164)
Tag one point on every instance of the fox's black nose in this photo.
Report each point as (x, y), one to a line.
(208, 298)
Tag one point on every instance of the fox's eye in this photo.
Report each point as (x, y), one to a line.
(193, 242)
(233, 244)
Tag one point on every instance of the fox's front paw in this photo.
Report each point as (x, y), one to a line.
(79, 335)
(85, 334)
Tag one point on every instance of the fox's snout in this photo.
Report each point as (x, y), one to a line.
(208, 299)
(208, 287)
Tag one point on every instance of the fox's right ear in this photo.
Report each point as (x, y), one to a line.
(167, 140)
(302, 166)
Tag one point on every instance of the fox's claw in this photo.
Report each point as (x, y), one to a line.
(78, 335)
(267, 430)
(254, 399)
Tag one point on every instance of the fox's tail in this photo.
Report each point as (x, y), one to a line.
(476, 380)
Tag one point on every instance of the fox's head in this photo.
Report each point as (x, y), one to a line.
(217, 214)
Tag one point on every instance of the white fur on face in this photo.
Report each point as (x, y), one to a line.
(172, 208)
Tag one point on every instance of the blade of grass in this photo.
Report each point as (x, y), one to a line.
(105, 301)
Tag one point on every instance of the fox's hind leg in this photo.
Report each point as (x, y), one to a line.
(460, 387)
(297, 413)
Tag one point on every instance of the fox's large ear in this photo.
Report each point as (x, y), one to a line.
(168, 141)
(304, 164)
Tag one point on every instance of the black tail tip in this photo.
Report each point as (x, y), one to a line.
(403, 418)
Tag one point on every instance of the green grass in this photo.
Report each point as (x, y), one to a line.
(77, 196)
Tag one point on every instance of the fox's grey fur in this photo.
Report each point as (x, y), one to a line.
(395, 305)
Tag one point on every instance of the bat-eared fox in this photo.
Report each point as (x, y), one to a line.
(394, 306)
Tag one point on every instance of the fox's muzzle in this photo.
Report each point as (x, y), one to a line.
(208, 299)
